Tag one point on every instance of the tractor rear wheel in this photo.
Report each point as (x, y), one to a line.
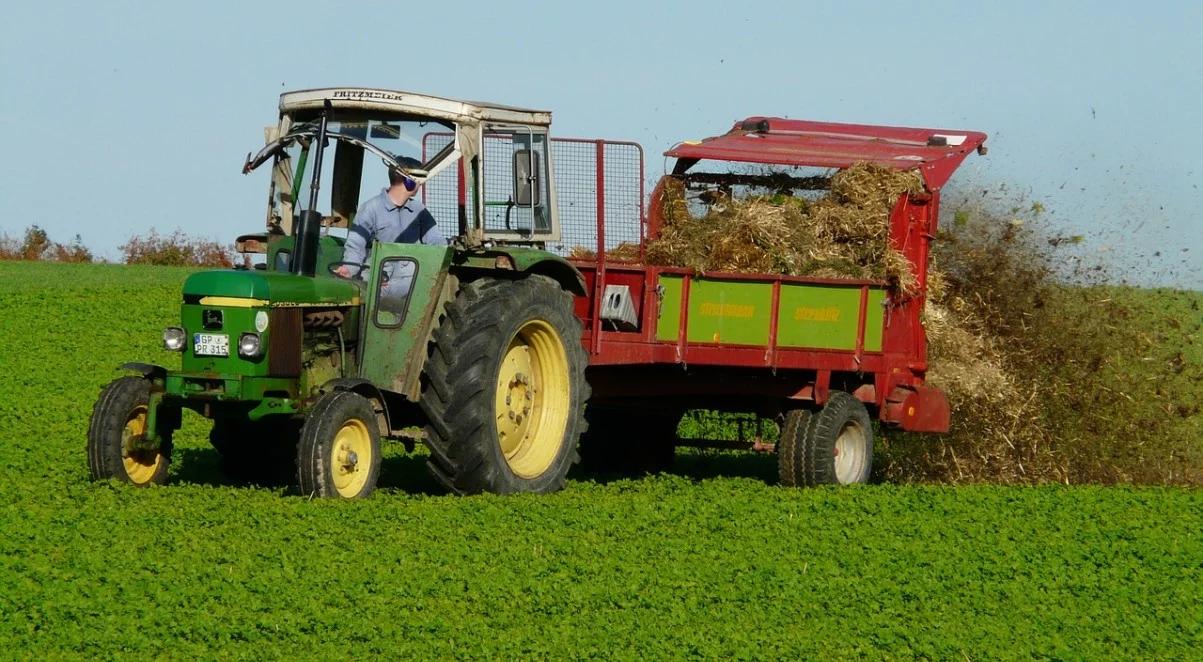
(831, 446)
(116, 433)
(339, 450)
(504, 388)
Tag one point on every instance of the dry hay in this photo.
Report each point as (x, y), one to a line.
(843, 234)
(623, 252)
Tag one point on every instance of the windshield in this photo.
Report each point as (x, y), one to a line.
(355, 165)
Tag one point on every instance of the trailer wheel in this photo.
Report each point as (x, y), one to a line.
(339, 451)
(117, 426)
(505, 388)
(832, 446)
(257, 452)
(789, 448)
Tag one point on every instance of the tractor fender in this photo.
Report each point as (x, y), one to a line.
(150, 371)
(559, 270)
(518, 260)
(368, 390)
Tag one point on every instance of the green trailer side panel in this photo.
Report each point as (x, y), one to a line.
(670, 309)
(738, 313)
(826, 316)
(731, 313)
(875, 320)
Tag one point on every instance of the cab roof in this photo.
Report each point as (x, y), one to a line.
(410, 103)
(936, 153)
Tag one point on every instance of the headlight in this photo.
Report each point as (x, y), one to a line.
(249, 346)
(173, 339)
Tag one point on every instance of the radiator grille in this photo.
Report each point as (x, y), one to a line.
(284, 343)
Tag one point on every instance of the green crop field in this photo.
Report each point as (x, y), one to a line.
(711, 560)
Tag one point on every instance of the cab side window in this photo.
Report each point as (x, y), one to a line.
(394, 283)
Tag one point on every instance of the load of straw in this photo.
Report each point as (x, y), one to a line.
(842, 234)
(623, 252)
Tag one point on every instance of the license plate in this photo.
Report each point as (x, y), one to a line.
(210, 344)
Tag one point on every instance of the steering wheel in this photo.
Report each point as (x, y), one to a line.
(356, 269)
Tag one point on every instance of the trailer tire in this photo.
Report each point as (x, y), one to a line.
(831, 446)
(118, 419)
(790, 447)
(338, 454)
(504, 388)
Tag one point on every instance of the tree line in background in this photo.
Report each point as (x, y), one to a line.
(175, 249)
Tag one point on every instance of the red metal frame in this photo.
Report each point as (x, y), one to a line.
(892, 379)
(831, 145)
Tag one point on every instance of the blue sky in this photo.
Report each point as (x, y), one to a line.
(120, 116)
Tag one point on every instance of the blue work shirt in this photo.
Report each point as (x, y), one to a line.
(379, 219)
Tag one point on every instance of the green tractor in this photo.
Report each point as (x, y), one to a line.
(301, 368)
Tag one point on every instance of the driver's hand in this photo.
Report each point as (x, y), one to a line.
(344, 271)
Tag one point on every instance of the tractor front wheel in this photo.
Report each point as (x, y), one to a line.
(117, 433)
(831, 446)
(505, 388)
(339, 451)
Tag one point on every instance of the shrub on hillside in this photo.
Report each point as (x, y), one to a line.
(36, 245)
(178, 249)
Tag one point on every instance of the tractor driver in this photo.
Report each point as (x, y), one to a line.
(394, 216)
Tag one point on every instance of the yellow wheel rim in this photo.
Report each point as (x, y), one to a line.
(141, 464)
(351, 458)
(533, 395)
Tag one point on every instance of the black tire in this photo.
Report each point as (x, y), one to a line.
(832, 446)
(119, 420)
(623, 441)
(261, 452)
(339, 430)
(790, 447)
(474, 351)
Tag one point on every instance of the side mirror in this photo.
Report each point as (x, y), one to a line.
(526, 178)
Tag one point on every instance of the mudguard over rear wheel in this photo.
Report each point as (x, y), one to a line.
(505, 388)
(116, 434)
(831, 446)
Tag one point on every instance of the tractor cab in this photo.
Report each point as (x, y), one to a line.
(485, 168)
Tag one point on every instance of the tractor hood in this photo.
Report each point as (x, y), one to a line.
(270, 289)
